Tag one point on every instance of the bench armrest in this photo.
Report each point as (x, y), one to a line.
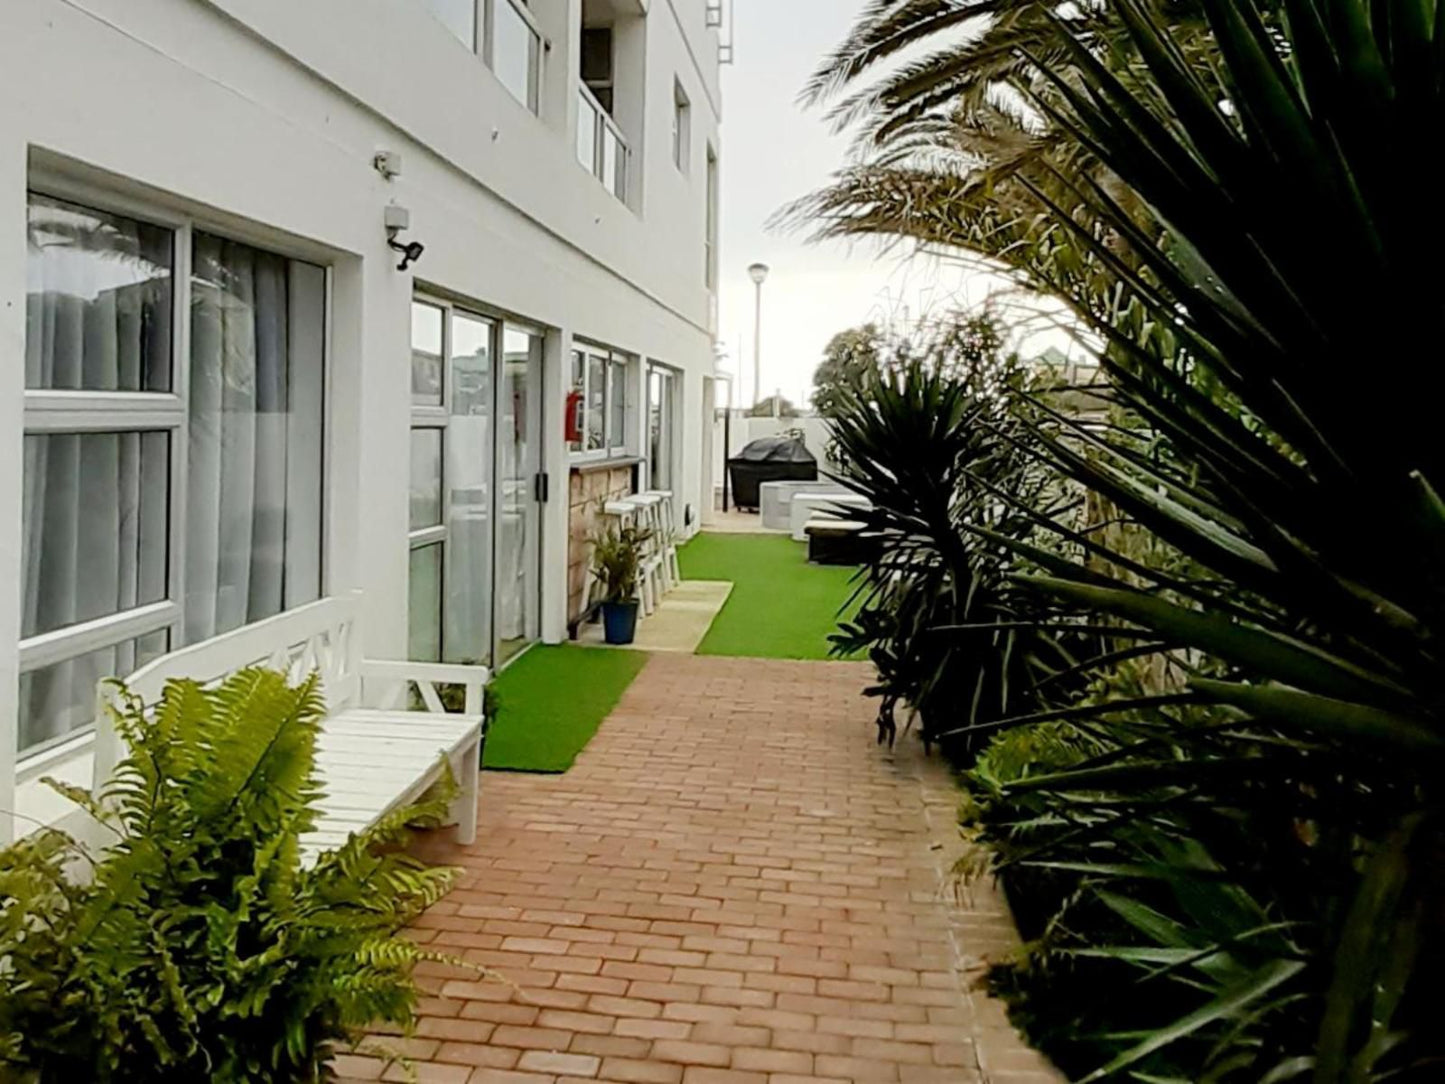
(396, 679)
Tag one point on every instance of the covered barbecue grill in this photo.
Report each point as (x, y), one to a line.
(769, 459)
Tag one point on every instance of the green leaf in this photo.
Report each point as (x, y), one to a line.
(1291, 661)
(1229, 1003)
(1338, 719)
(1361, 957)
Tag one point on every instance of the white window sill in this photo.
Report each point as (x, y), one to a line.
(586, 464)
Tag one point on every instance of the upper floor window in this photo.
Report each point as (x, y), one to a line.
(681, 127)
(710, 236)
(165, 500)
(505, 34)
(516, 50)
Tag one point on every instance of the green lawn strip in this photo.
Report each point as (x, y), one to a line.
(551, 701)
(781, 607)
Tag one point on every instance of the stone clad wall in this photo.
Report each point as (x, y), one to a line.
(587, 492)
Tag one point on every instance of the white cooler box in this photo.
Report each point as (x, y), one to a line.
(776, 499)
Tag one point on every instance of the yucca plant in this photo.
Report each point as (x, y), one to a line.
(921, 438)
(1252, 226)
(196, 946)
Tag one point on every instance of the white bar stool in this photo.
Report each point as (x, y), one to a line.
(649, 508)
(670, 568)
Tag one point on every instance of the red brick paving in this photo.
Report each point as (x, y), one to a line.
(733, 885)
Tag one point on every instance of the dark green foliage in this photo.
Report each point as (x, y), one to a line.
(927, 440)
(848, 359)
(1228, 193)
(197, 947)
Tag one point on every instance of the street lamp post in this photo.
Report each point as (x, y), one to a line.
(759, 274)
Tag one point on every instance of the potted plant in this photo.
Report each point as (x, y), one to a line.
(617, 564)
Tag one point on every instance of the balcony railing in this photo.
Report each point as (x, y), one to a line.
(600, 146)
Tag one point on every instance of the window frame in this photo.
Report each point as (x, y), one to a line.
(681, 128)
(438, 418)
(670, 384)
(613, 359)
(483, 43)
(66, 411)
(487, 44)
(711, 198)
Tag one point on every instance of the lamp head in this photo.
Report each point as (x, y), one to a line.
(759, 273)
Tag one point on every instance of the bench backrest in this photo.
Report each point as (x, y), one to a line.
(320, 636)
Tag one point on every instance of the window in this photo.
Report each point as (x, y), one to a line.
(681, 127)
(515, 50)
(119, 563)
(617, 406)
(596, 428)
(507, 37)
(710, 238)
(600, 387)
(661, 425)
(450, 612)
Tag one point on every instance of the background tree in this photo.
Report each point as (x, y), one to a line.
(766, 408)
(848, 359)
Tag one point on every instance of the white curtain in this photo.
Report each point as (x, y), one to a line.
(94, 504)
(254, 486)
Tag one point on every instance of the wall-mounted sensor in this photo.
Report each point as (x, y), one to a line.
(387, 163)
(396, 219)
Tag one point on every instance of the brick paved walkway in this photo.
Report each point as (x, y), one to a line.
(732, 886)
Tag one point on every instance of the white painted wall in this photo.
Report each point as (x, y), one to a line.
(263, 116)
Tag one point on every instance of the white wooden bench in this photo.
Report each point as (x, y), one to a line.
(375, 751)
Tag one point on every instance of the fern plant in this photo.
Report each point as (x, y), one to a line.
(198, 945)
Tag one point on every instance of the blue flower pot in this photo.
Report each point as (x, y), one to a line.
(619, 621)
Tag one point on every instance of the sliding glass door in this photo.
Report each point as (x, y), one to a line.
(475, 459)
(451, 485)
(519, 520)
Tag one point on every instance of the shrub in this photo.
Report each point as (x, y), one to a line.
(198, 945)
(927, 439)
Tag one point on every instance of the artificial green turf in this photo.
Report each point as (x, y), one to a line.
(781, 607)
(550, 703)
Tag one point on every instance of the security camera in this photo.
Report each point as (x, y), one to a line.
(410, 252)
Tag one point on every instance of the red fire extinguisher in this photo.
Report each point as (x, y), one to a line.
(573, 417)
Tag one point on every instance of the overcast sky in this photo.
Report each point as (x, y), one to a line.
(773, 151)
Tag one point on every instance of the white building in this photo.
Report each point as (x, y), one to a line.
(221, 397)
